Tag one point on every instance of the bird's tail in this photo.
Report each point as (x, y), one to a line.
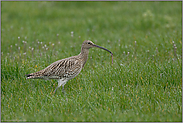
(37, 75)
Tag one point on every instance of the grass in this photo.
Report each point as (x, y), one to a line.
(143, 84)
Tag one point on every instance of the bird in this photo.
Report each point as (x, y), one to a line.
(66, 69)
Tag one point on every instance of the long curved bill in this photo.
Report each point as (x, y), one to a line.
(104, 49)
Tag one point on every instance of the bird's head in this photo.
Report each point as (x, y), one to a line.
(87, 44)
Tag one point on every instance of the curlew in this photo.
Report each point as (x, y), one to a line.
(68, 68)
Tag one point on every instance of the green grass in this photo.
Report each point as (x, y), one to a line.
(143, 84)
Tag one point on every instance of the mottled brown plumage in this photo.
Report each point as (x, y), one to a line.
(66, 69)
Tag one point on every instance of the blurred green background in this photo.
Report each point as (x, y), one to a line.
(143, 84)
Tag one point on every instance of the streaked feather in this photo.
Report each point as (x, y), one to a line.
(65, 68)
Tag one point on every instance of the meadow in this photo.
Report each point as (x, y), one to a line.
(143, 84)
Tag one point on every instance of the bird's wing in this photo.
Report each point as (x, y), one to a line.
(59, 69)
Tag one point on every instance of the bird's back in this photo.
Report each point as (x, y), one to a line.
(66, 68)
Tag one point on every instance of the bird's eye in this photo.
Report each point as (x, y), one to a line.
(89, 43)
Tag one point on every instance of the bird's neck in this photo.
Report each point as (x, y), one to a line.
(84, 55)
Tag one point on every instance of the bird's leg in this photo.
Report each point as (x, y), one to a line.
(63, 91)
(55, 89)
(60, 83)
